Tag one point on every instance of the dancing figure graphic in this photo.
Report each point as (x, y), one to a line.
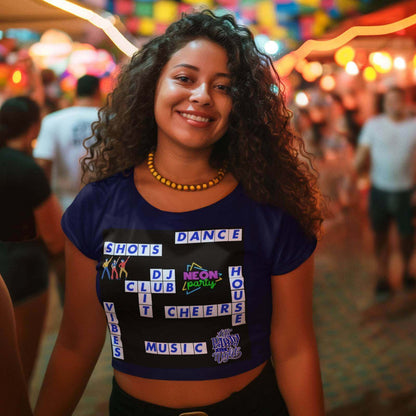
(114, 269)
(122, 266)
(105, 267)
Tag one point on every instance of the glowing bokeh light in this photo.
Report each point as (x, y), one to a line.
(344, 55)
(68, 84)
(300, 65)
(301, 99)
(351, 68)
(308, 74)
(327, 82)
(17, 76)
(381, 62)
(260, 41)
(316, 68)
(370, 74)
(271, 47)
(399, 63)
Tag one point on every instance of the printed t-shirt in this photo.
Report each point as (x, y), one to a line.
(187, 295)
(60, 141)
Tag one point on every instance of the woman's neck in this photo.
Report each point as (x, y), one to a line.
(19, 143)
(188, 167)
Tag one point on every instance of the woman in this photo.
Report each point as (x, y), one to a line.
(191, 175)
(30, 217)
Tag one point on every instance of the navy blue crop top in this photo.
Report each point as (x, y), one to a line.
(187, 295)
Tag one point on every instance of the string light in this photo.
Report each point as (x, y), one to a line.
(287, 63)
(284, 65)
(105, 24)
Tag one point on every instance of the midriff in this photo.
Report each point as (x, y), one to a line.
(179, 394)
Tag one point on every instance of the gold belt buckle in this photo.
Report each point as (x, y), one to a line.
(197, 413)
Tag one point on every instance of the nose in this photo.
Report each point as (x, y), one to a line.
(200, 94)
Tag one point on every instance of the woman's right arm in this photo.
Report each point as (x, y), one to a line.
(80, 340)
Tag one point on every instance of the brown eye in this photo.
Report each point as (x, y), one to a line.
(183, 78)
(224, 88)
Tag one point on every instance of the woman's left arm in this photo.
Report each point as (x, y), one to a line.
(293, 343)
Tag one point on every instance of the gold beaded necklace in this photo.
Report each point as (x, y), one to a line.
(179, 187)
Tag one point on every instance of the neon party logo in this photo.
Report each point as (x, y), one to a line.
(196, 277)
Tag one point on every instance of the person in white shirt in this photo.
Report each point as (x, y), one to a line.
(59, 145)
(388, 143)
(59, 148)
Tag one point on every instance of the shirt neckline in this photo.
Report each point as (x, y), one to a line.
(215, 205)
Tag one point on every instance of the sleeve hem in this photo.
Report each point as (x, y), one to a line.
(66, 228)
(289, 267)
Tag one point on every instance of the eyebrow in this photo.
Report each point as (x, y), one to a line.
(194, 68)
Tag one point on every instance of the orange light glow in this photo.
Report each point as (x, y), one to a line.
(284, 66)
(308, 74)
(327, 82)
(369, 74)
(344, 55)
(315, 68)
(69, 83)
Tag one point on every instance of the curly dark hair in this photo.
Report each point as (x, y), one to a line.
(260, 148)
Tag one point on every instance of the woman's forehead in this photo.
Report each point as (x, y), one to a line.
(200, 51)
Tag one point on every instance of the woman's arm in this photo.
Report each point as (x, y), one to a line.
(80, 340)
(48, 224)
(362, 159)
(13, 391)
(293, 342)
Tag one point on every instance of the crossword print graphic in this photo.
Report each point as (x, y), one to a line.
(177, 296)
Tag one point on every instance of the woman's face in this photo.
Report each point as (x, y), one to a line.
(192, 99)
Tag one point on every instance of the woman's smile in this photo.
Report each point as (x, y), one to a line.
(196, 119)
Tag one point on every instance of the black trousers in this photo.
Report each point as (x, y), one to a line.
(261, 397)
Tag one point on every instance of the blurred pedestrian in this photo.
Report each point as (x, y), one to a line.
(59, 145)
(388, 145)
(310, 131)
(29, 219)
(59, 148)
